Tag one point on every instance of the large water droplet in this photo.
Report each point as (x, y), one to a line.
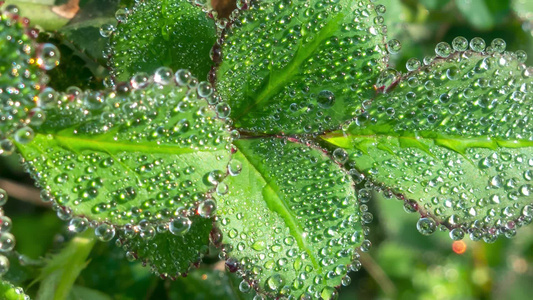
(426, 226)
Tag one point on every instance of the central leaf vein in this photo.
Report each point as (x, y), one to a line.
(276, 80)
(275, 201)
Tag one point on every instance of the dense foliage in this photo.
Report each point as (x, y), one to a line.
(268, 136)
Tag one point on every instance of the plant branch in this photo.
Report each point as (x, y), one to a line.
(379, 276)
(23, 192)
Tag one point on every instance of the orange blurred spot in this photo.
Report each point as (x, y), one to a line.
(204, 276)
(459, 247)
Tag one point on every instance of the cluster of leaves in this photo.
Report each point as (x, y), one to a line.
(274, 157)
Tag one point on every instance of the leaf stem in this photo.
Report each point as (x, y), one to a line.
(377, 273)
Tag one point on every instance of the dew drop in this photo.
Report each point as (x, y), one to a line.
(207, 208)
(394, 46)
(340, 155)
(498, 45)
(6, 147)
(107, 30)
(477, 44)
(104, 232)
(180, 225)
(139, 80)
(4, 265)
(121, 15)
(234, 167)
(426, 226)
(274, 283)
(3, 197)
(204, 89)
(5, 224)
(244, 287)
(163, 76)
(36, 116)
(460, 44)
(325, 99)
(223, 110)
(457, 234)
(24, 135)
(183, 77)
(78, 225)
(443, 49)
(48, 56)
(413, 64)
(7, 242)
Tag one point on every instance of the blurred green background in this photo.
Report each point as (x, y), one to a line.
(402, 263)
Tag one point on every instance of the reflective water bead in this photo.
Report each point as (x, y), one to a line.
(5, 224)
(443, 49)
(163, 76)
(325, 99)
(7, 242)
(24, 135)
(94, 100)
(121, 15)
(140, 80)
(4, 265)
(48, 56)
(521, 56)
(381, 9)
(222, 188)
(6, 147)
(340, 155)
(412, 64)
(426, 226)
(477, 44)
(47, 98)
(78, 225)
(3, 197)
(223, 110)
(394, 46)
(244, 287)
(179, 225)
(107, 30)
(183, 77)
(104, 232)
(204, 89)
(457, 234)
(36, 116)
(234, 167)
(207, 208)
(498, 45)
(460, 44)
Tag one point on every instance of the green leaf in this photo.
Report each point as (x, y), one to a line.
(171, 33)
(524, 9)
(208, 284)
(86, 37)
(78, 68)
(456, 137)
(60, 273)
(300, 66)
(41, 13)
(20, 77)
(123, 156)
(484, 14)
(110, 273)
(434, 4)
(290, 220)
(10, 292)
(171, 255)
(82, 293)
